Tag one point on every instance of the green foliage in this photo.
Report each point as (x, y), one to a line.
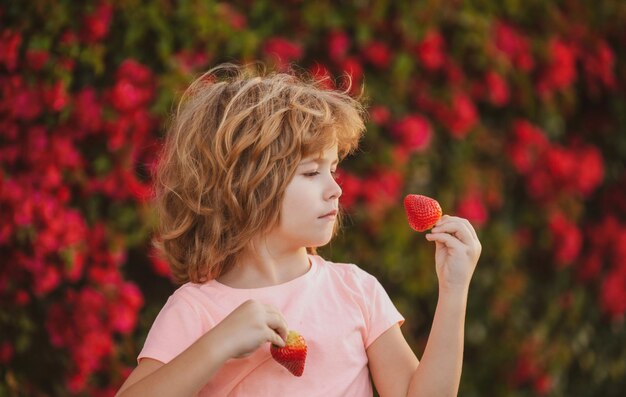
(511, 113)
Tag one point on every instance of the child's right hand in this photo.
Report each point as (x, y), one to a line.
(249, 326)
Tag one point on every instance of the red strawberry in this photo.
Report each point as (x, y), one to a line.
(293, 355)
(421, 211)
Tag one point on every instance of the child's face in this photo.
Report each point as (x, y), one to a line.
(309, 208)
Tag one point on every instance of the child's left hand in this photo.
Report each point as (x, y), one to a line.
(456, 252)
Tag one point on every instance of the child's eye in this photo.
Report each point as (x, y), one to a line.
(314, 173)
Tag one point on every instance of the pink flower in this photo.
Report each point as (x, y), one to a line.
(413, 131)
(431, 50)
(378, 54)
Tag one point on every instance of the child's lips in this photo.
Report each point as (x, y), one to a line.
(332, 214)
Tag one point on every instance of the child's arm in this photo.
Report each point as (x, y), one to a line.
(393, 365)
(242, 332)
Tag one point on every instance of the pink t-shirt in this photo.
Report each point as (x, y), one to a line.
(338, 308)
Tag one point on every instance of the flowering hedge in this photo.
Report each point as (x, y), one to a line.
(510, 113)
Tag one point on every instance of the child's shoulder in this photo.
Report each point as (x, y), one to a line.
(347, 272)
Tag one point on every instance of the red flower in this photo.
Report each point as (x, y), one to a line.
(234, 18)
(431, 50)
(529, 144)
(350, 187)
(414, 132)
(561, 164)
(322, 75)
(382, 191)
(543, 384)
(497, 89)
(9, 47)
(514, 46)
(134, 72)
(87, 111)
(567, 239)
(189, 60)
(37, 59)
(561, 70)
(159, 265)
(352, 66)
(55, 97)
(282, 51)
(599, 65)
(613, 294)
(378, 54)
(590, 267)
(472, 207)
(338, 44)
(126, 96)
(379, 114)
(96, 25)
(460, 117)
(590, 170)
(27, 104)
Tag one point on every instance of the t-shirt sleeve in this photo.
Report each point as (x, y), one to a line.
(177, 326)
(381, 313)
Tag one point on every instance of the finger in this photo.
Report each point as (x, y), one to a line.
(470, 227)
(277, 323)
(448, 218)
(446, 239)
(456, 228)
(274, 338)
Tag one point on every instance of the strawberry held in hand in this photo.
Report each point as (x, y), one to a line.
(293, 355)
(421, 211)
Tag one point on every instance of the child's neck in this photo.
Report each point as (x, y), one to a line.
(263, 269)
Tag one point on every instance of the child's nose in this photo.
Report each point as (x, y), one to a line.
(334, 190)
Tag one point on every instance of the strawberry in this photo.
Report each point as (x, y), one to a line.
(293, 355)
(421, 211)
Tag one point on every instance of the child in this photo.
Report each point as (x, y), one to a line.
(245, 192)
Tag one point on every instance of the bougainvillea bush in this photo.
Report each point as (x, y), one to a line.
(510, 113)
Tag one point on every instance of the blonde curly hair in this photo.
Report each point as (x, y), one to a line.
(231, 149)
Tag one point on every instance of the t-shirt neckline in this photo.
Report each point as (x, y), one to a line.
(286, 285)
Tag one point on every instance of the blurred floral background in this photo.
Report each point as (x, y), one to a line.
(511, 113)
